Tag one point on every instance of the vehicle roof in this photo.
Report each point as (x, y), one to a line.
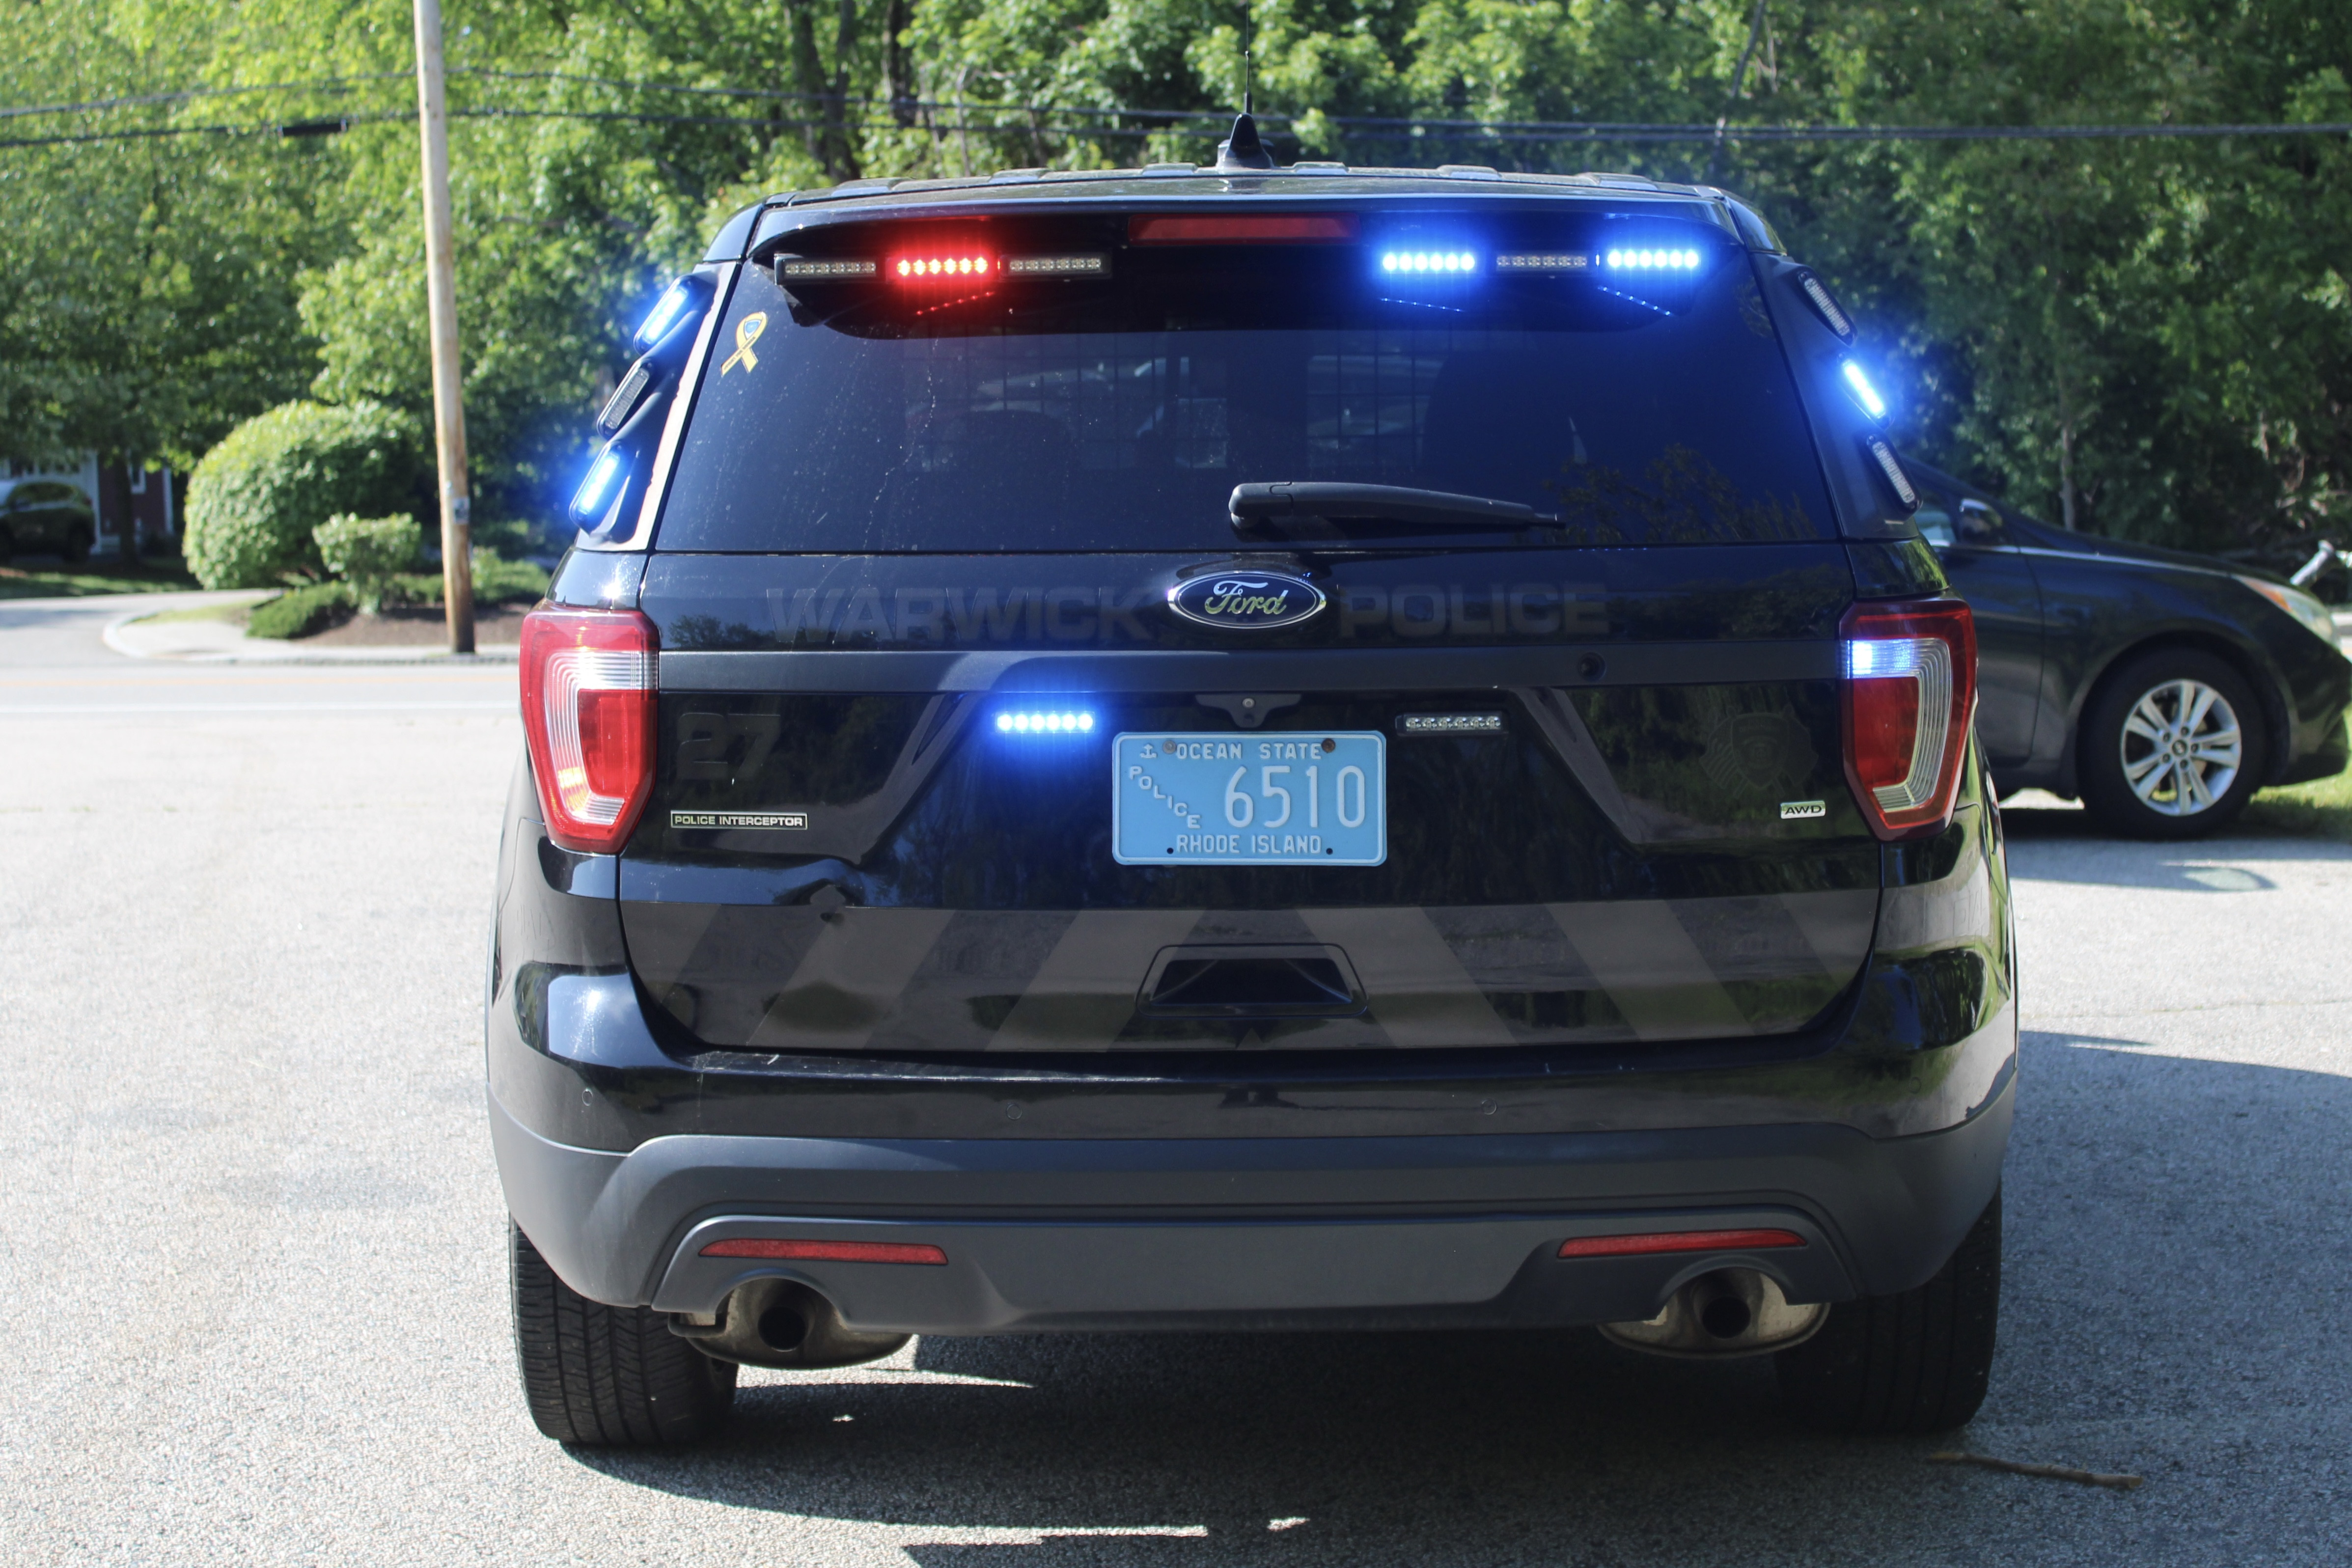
(1182, 185)
(2051, 535)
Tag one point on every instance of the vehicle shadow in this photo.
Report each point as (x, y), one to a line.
(2152, 1237)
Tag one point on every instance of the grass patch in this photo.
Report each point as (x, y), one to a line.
(2319, 810)
(299, 612)
(159, 575)
(233, 613)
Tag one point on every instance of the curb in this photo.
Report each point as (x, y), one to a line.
(272, 651)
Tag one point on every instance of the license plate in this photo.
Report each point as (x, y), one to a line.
(1294, 799)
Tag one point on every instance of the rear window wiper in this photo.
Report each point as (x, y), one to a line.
(1317, 506)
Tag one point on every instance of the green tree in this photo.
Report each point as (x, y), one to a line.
(2143, 337)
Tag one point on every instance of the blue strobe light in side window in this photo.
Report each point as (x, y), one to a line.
(1863, 393)
(667, 312)
(1062, 721)
(596, 492)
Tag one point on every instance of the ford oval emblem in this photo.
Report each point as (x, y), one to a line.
(1246, 600)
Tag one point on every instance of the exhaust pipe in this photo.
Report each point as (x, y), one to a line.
(781, 1322)
(1729, 1313)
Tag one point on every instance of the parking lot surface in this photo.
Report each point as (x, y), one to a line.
(252, 1238)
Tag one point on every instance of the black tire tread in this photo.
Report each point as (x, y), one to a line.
(607, 1377)
(1912, 1363)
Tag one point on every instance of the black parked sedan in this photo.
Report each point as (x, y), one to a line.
(40, 517)
(2161, 687)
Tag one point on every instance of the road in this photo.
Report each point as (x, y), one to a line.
(251, 1235)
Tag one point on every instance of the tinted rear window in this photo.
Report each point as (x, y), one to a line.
(1118, 414)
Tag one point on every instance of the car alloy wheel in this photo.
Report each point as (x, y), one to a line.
(2182, 747)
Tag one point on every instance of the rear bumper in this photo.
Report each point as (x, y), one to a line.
(1069, 1234)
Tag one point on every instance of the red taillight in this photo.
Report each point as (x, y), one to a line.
(1910, 696)
(827, 1251)
(588, 695)
(940, 268)
(1237, 228)
(1678, 1241)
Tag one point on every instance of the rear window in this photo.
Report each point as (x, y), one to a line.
(1005, 410)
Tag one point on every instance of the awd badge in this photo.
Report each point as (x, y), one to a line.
(1246, 600)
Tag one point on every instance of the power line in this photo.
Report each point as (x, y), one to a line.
(185, 95)
(1411, 127)
(1381, 128)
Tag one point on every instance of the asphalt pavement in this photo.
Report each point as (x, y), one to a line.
(251, 1234)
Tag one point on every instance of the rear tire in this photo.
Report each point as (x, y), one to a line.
(76, 548)
(2129, 783)
(1918, 1361)
(607, 1377)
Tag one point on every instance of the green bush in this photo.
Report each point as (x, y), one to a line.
(367, 552)
(257, 499)
(299, 612)
(499, 582)
(496, 581)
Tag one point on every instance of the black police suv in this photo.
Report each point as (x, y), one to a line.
(2163, 688)
(1230, 748)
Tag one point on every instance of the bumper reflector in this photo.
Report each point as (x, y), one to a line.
(827, 1251)
(1678, 1241)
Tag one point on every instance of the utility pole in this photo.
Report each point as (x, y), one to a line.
(441, 302)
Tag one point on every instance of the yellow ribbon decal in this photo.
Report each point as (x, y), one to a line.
(747, 332)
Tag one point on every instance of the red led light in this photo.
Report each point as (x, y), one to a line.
(940, 268)
(1235, 228)
(826, 1252)
(1678, 1241)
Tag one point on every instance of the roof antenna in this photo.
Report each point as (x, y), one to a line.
(1243, 149)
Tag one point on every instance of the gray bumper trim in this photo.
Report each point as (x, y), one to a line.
(1010, 1277)
(1068, 1233)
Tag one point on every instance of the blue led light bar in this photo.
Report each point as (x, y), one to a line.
(1863, 393)
(1063, 723)
(664, 313)
(1424, 262)
(1652, 260)
(588, 502)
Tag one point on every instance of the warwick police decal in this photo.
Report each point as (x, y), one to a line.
(1246, 600)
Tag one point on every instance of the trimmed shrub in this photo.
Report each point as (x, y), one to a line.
(366, 552)
(499, 582)
(496, 581)
(299, 612)
(257, 499)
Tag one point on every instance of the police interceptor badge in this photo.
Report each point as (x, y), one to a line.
(786, 821)
(1246, 600)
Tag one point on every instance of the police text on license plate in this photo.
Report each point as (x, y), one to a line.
(1294, 799)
